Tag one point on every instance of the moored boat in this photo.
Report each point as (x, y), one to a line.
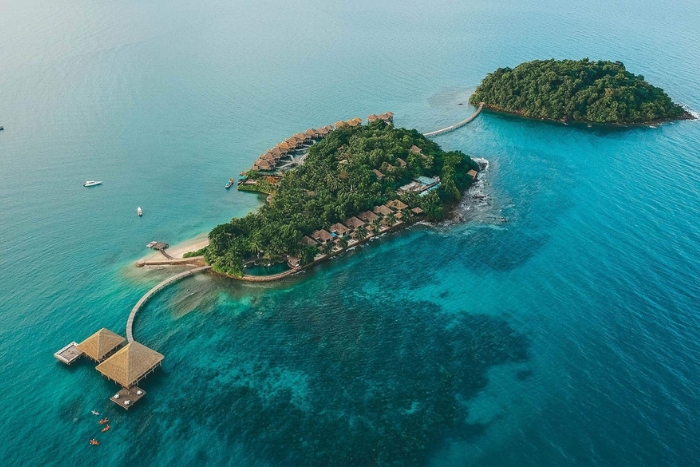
(92, 183)
(139, 211)
(229, 184)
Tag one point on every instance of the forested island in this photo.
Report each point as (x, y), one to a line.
(577, 90)
(355, 182)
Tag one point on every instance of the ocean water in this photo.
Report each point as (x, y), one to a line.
(567, 335)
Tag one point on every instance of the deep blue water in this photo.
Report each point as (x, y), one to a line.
(566, 336)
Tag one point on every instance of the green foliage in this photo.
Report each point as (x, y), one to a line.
(192, 254)
(600, 92)
(336, 182)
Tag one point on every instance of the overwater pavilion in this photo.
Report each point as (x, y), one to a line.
(101, 345)
(130, 364)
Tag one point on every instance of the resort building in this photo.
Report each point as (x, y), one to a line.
(354, 223)
(308, 241)
(417, 211)
(339, 124)
(397, 204)
(101, 345)
(322, 236)
(401, 162)
(357, 121)
(382, 210)
(472, 173)
(420, 184)
(130, 364)
(368, 216)
(378, 174)
(339, 230)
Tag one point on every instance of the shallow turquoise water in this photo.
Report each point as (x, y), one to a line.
(566, 336)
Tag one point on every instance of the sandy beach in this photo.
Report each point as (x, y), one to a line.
(178, 251)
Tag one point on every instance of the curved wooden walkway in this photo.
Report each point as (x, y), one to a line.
(152, 292)
(456, 125)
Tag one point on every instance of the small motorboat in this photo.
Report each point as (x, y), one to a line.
(2, 128)
(106, 428)
(229, 184)
(92, 183)
(95, 412)
(139, 211)
(94, 442)
(103, 421)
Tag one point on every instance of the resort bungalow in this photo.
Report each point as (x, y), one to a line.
(472, 173)
(339, 230)
(309, 135)
(130, 364)
(322, 132)
(387, 117)
(417, 211)
(397, 204)
(354, 223)
(101, 345)
(378, 174)
(416, 150)
(372, 118)
(357, 121)
(368, 216)
(328, 128)
(284, 147)
(339, 124)
(300, 137)
(382, 210)
(322, 236)
(308, 241)
(401, 162)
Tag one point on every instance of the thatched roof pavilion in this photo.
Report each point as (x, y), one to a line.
(355, 122)
(372, 118)
(472, 173)
(340, 124)
(329, 128)
(354, 223)
(276, 152)
(101, 344)
(322, 236)
(131, 364)
(310, 133)
(285, 147)
(397, 204)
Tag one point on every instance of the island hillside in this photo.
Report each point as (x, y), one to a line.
(354, 183)
(583, 90)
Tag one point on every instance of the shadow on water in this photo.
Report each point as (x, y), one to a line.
(320, 376)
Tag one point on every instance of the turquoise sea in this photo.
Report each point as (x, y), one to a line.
(567, 336)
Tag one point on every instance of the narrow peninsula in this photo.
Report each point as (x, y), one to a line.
(583, 91)
(336, 187)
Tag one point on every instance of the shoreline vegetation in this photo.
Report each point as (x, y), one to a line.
(584, 91)
(344, 187)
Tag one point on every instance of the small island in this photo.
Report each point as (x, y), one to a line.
(583, 91)
(352, 183)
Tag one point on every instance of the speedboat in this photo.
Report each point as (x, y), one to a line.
(229, 184)
(92, 183)
(139, 211)
(95, 412)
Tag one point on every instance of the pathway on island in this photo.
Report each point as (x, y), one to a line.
(152, 292)
(456, 125)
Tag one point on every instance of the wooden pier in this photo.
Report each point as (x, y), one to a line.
(152, 292)
(126, 398)
(69, 354)
(442, 131)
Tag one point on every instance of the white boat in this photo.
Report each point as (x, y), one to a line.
(139, 211)
(92, 183)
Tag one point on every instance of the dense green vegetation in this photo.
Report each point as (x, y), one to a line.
(336, 182)
(600, 92)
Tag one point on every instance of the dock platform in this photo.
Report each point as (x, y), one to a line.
(69, 354)
(126, 398)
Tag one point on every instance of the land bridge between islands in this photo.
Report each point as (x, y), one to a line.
(469, 119)
(152, 292)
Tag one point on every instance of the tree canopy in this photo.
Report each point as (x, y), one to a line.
(583, 90)
(336, 181)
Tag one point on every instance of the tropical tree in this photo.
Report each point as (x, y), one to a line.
(391, 219)
(327, 248)
(376, 226)
(361, 233)
(343, 242)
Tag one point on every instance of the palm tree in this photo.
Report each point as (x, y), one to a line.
(343, 242)
(391, 219)
(376, 226)
(361, 233)
(327, 248)
(407, 216)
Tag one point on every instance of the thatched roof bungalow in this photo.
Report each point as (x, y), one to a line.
(417, 211)
(416, 150)
(130, 364)
(310, 134)
(378, 174)
(354, 223)
(340, 124)
(382, 210)
(339, 229)
(308, 241)
(401, 162)
(368, 216)
(322, 236)
(357, 121)
(472, 173)
(101, 344)
(284, 147)
(372, 118)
